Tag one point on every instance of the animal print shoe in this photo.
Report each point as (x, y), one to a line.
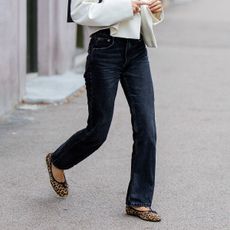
(61, 188)
(148, 215)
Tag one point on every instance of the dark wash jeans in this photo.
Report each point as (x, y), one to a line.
(110, 60)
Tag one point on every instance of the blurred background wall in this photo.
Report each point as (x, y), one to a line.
(34, 38)
(56, 38)
(13, 52)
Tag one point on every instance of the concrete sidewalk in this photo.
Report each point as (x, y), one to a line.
(52, 89)
(191, 80)
(56, 89)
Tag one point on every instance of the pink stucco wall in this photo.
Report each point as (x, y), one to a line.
(13, 52)
(56, 38)
(56, 46)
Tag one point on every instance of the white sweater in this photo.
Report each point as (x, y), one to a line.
(118, 16)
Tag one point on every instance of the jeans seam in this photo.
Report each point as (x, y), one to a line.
(132, 107)
(131, 101)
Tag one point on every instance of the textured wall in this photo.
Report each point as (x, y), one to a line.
(56, 38)
(56, 45)
(13, 52)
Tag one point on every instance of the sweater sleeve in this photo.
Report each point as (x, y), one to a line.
(106, 13)
(157, 17)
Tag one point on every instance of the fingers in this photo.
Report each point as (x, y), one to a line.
(142, 2)
(156, 6)
(136, 7)
(155, 3)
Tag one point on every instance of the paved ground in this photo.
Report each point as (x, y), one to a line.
(191, 76)
(43, 89)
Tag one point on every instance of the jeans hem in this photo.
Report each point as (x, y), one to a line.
(53, 161)
(138, 204)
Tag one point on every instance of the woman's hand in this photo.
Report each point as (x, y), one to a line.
(155, 6)
(136, 4)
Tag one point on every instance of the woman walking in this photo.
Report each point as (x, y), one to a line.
(119, 31)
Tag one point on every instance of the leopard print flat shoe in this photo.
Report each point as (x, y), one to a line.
(61, 188)
(149, 215)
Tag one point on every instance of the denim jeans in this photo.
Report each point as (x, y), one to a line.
(110, 60)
